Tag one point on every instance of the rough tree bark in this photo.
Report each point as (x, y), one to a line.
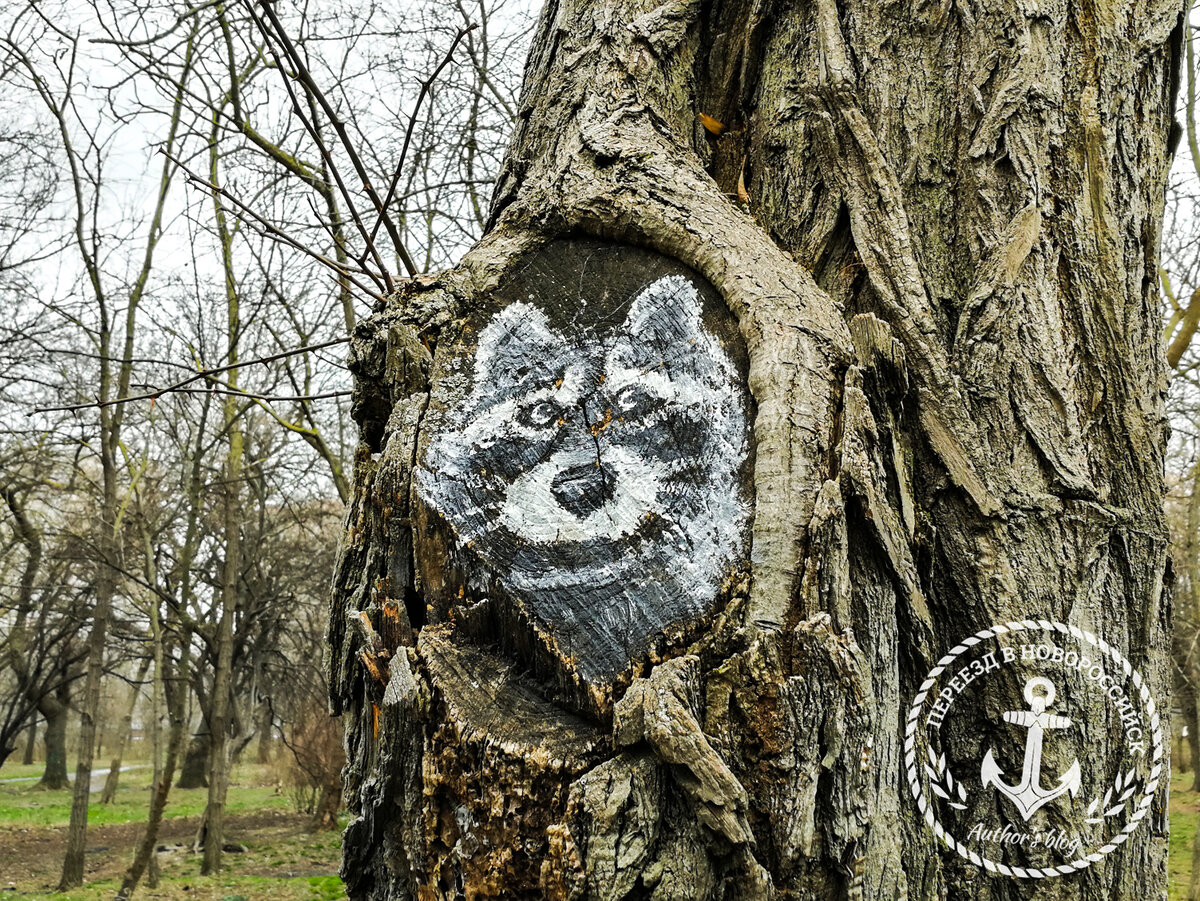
(936, 228)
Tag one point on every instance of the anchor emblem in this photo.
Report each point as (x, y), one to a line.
(1028, 795)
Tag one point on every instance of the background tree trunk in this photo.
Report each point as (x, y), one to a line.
(937, 229)
(194, 772)
(122, 737)
(175, 698)
(222, 716)
(265, 751)
(1187, 705)
(56, 709)
(72, 870)
(116, 343)
(1185, 655)
(329, 802)
(30, 745)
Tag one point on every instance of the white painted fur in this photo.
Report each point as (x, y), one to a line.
(695, 504)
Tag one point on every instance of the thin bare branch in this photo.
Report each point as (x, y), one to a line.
(181, 386)
(311, 127)
(305, 77)
(244, 212)
(426, 85)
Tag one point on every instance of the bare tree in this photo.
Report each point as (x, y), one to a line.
(1181, 290)
(52, 75)
(40, 652)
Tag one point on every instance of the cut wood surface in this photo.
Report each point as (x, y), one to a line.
(583, 466)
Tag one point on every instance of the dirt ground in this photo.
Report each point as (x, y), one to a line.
(278, 847)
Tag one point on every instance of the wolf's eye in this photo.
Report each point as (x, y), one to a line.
(539, 415)
(636, 400)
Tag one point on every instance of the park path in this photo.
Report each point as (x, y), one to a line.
(98, 776)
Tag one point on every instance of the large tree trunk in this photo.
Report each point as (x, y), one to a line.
(936, 230)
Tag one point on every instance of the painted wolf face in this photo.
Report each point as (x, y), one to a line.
(599, 475)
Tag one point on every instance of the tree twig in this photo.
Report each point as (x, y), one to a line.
(180, 387)
(269, 36)
(305, 78)
(412, 119)
(246, 214)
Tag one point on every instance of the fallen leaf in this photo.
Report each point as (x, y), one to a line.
(711, 124)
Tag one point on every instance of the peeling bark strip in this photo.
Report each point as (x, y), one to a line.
(944, 282)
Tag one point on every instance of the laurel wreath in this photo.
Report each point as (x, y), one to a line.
(942, 783)
(1128, 782)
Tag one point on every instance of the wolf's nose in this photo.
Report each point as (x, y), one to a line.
(584, 489)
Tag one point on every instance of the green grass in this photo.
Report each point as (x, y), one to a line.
(20, 771)
(248, 888)
(327, 888)
(282, 861)
(1185, 817)
(22, 806)
(226, 888)
(25, 804)
(1179, 865)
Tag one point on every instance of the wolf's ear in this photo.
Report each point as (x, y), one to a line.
(517, 347)
(665, 316)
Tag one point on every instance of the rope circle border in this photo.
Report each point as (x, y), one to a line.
(1142, 806)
